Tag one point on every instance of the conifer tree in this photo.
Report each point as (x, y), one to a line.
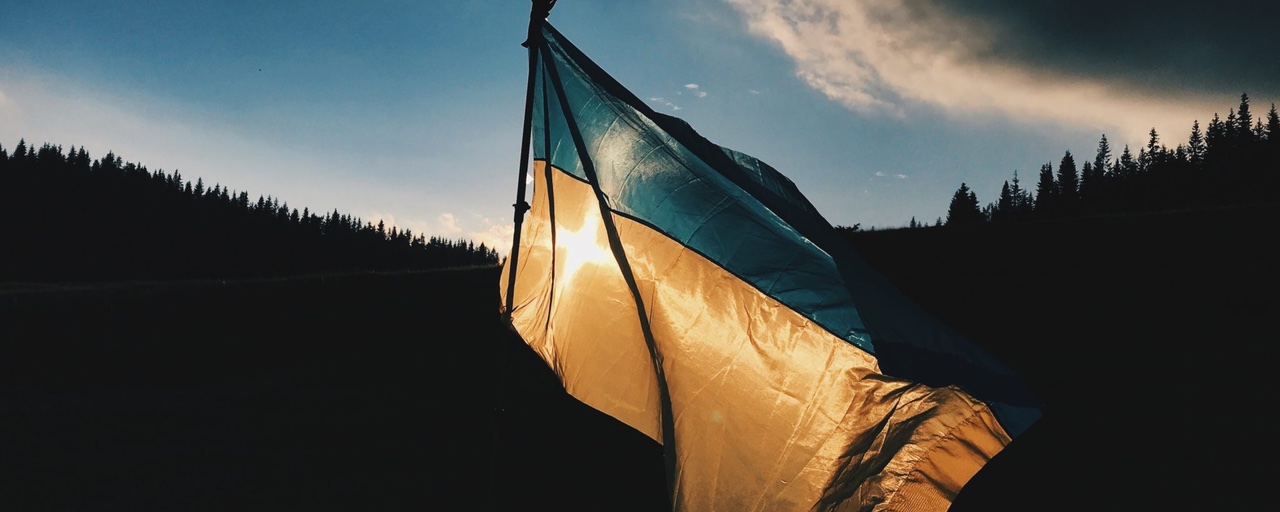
(1126, 166)
(20, 152)
(964, 209)
(1243, 127)
(1046, 193)
(1269, 160)
(1090, 186)
(1195, 145)
(1103, 157)
(1003, 210)
(1151, 155)
(1022, 202)
(1068, 181)
(1232, 132)
(1273, 126)
(1215, 143)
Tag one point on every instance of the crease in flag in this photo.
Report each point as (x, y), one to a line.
(693, 293)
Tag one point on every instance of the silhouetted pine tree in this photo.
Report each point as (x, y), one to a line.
(1124, 179)
(964, 209)
(1013, 205)
(1271, 162)
(1002, 210)
(1157, 152)
(1046, 194)
(1090, 189)
(1023, 203)
(1094, 189)
(1243, 127)
(1196, 146)
(1068, 186)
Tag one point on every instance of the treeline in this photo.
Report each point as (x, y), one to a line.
(1232, 161)
(72, 218)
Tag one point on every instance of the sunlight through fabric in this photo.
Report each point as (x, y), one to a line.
(580, 247)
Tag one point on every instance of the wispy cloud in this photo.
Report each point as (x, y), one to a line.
(885, 56)
(665, 103)
(495, 235)
(449, 224)
(481, 230)
(696, 90)
(882, 174)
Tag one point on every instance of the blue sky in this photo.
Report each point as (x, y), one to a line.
(410, 112)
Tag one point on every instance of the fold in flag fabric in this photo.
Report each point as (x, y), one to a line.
(691, 292)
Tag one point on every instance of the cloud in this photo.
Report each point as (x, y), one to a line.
(665, 103)
(982, 57)
(697, 90)
(496, 236)
(882, 174)
(1187, 45)
(449, 224)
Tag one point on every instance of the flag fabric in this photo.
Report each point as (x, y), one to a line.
(693, 293)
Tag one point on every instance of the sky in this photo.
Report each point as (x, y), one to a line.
(410, 112)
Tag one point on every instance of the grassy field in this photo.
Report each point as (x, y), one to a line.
(1146, 336)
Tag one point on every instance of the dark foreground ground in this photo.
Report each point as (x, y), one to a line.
(1147, 337)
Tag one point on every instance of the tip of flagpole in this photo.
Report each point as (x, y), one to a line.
(540, 10)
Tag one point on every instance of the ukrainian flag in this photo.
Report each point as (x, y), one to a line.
(692, 292)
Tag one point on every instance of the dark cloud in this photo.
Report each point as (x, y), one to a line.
(1178, 46)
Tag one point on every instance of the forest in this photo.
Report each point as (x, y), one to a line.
(1231, 162)
(76, 218)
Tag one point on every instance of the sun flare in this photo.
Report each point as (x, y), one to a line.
(578, 248)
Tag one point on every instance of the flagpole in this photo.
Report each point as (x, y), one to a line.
(538, 12)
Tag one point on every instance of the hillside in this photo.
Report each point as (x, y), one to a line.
(1145, 336)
